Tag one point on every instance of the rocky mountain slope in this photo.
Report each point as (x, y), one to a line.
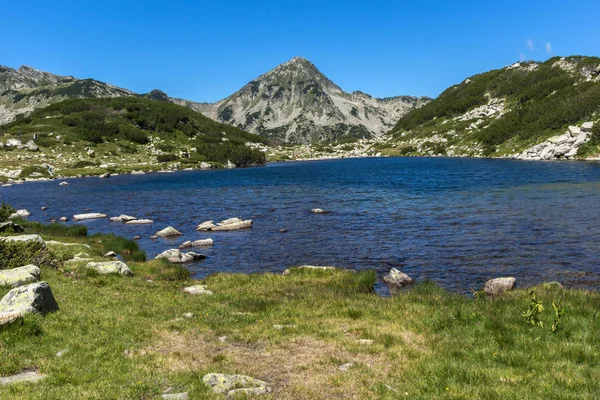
(296, 103)
(529, 110)
(25, 89)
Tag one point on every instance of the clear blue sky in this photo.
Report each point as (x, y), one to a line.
(206, 50)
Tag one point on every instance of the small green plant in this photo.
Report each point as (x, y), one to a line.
(559, 311)
(534, 311)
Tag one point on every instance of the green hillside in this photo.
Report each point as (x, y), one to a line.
(504, 111)
(79, 133)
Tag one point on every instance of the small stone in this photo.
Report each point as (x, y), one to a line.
(110, 254)
(281, 327)
(44, 208)
(188, 315)
(499, 285)
(137, 237)
(63, 219)
(346, 367)
(63, 184)
(233, 385)
(222, 339)
(366, 342)
(317, 211)
(62, 353)
(175, 396)
(79, 217)
(396, 279)
(154, 237)
(283, 230)
(197, 289)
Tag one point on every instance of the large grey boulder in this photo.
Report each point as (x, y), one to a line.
(19, 276)
(110, 267)
(36, 298)
(499, 285)
(169, 231)
(587, 126)
(397, 279)
(233, 385)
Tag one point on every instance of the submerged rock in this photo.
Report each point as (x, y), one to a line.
(168, 232)
(110, 267)
(79, 217)
(396, 279)
(232, 224)
(233, 385)
(19, 276)
(139, 222)
(205, 226)
(499, 285)
(63, 184)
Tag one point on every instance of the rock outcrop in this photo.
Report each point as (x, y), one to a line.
(561, 146)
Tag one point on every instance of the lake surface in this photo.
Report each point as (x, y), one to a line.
(455, 221)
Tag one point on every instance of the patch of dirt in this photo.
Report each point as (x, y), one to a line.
(305, 368)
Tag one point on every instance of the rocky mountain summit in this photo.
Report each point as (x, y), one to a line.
(26, 89)
(296, 103)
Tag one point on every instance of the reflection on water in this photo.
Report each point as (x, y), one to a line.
(455, 221)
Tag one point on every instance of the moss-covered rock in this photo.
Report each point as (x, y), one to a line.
(19, 276)
(16, 251)
(234, 385)
(110, 267)
(36, 298)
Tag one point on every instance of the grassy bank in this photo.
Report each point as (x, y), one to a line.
(128, 338)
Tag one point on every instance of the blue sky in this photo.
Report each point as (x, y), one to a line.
(206, 50)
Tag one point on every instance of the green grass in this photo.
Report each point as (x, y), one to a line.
(127, 338)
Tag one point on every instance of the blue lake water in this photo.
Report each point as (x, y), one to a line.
(455, 221)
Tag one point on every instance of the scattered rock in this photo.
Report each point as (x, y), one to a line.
(30, 376)
(115, 219)
(365, 342)
(34, 298)
(63, 184)
(235, 384)
(177, 257)
(587, 126)
(196, 243)
(499, 285)
(19, 276)
(231, 224)
(168, 232)
(175, 396)
(204, 165)
(105, 175)
(10, 226)
(283, 230)
(138, 173)
(43, 208)
(318, 211)
(308, 267)
(139, 222)
(230, 164)
(197, 289)
(188, 315)
(137, 237)
(110, 267)
(127, 218)
(63, 219)
(62, 352)
(110, 254)
(222, 339)
(346, 367)
(281, 327)
(396, 279)
(153, 237)
(79, 217)
(20, 214)
(205, 226)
